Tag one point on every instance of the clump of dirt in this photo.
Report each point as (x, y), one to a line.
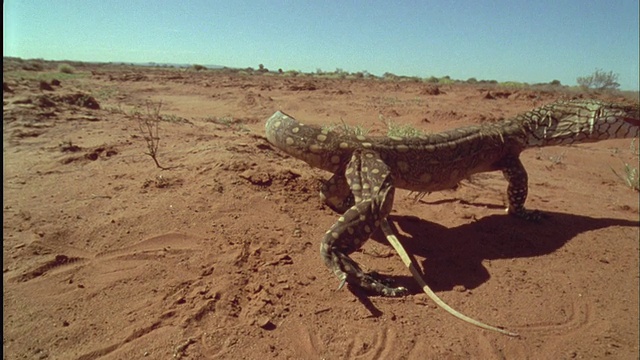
(305, 86)
(430, 89)
(78, 99)
(135, 77)
(93, 154)
(495, 94)
(45, 86)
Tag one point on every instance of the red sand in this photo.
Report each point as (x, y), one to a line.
(106, 256)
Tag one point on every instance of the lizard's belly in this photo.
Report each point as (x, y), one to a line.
(429, 177)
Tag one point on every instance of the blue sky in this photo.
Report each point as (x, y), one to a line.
(529, 41)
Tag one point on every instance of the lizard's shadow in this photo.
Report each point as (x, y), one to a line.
(453, 256)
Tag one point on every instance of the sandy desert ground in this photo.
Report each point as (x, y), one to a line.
(106, 256)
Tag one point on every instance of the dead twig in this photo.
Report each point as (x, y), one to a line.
(149, 126)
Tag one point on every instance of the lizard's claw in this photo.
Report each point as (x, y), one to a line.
(382, 285)
(342, 282)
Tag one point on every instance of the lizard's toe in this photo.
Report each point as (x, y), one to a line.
(395, 292)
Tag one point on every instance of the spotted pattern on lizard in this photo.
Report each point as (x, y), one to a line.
(366, 170)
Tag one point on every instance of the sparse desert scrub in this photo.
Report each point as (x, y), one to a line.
(66, 69)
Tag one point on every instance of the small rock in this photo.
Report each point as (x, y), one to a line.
(489, 96)
(460, 288)
(180, 300)
(45, 86)
(297, 232)
(420, 299)
(265, 323)
(22, 100)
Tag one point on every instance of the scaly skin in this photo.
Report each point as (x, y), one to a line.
(440, 161)
(367, 169)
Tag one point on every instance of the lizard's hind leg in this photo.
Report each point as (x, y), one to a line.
(336, 194)
(371, 184)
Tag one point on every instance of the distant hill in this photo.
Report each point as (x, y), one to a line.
(148, 64)
(176, 65)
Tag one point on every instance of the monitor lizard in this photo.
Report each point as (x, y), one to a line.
(367, 170)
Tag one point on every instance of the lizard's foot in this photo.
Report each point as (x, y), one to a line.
(529, 215)
(382, 285)
(374, 283)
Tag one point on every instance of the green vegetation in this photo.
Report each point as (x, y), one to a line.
(399, 130)
(41, 70)
(446, 80)
(513, 84)
(66, 69)
(117, 109)
(33, 65)
(630, 176)
(355, 130)
(43, 76)
(105, 93)
(229, 122)
(393, 129)
(174, 119)
(431, 80)
(224, 120)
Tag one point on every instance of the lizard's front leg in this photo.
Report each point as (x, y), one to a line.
(517, 190)
(371, 185)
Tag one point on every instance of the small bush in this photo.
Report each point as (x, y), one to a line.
(149, 126)
(599, 80)
(630, 176)
(66, 69)
(445, 80)
(390, 76)
(432, 80)
(32, 66)
(356, 130)
(514, 84)
(398, 130)
(198, 67)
